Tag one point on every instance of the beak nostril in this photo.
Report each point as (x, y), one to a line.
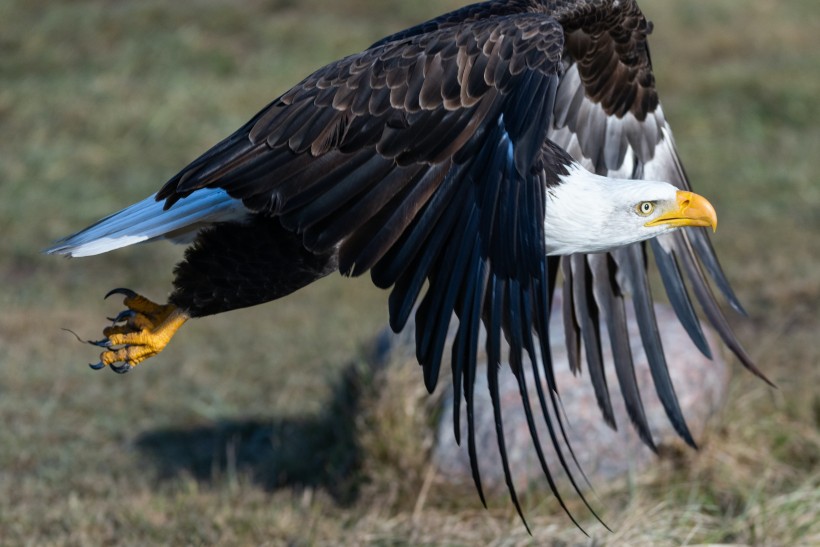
(685, 203)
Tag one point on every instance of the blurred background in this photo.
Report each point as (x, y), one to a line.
(255, 426)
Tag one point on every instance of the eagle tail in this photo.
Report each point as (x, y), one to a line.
(147, 220)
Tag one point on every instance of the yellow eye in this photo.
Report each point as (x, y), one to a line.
(645, 208)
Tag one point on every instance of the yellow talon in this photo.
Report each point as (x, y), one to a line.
(147, 329)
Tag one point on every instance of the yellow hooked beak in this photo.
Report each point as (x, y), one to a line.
(691, 210)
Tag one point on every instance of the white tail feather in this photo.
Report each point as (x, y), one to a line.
(147, 220)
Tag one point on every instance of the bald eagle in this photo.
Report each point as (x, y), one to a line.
(469, 163)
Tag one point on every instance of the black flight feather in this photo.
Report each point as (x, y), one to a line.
(679, 296)
(587, 313)
(611, 304)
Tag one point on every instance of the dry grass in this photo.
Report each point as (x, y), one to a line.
(265, 426)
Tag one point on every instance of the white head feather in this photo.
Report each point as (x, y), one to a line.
(588, 213)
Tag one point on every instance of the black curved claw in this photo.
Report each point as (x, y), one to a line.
(96, 366)
(128, 293)
(104, 343)
(123, 315)
(120, 369)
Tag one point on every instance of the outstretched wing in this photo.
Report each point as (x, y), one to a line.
(425, 160)
(608, 117)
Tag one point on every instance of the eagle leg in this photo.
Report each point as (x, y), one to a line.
(139, 332)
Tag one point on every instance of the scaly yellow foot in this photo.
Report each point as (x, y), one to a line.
(139, 332)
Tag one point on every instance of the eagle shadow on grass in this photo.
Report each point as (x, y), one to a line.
(319, 451)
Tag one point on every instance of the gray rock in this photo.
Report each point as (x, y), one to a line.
(603, 453)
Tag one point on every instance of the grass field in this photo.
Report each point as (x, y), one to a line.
(251, 427)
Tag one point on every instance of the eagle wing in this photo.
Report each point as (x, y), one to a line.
(423, 159)
(608, 117)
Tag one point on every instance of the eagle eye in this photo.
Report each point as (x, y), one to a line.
(645, 208)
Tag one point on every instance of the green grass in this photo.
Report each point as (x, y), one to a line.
(259, 426)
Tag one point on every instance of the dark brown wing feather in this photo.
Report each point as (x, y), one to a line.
(608, 117)
(425, 160)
